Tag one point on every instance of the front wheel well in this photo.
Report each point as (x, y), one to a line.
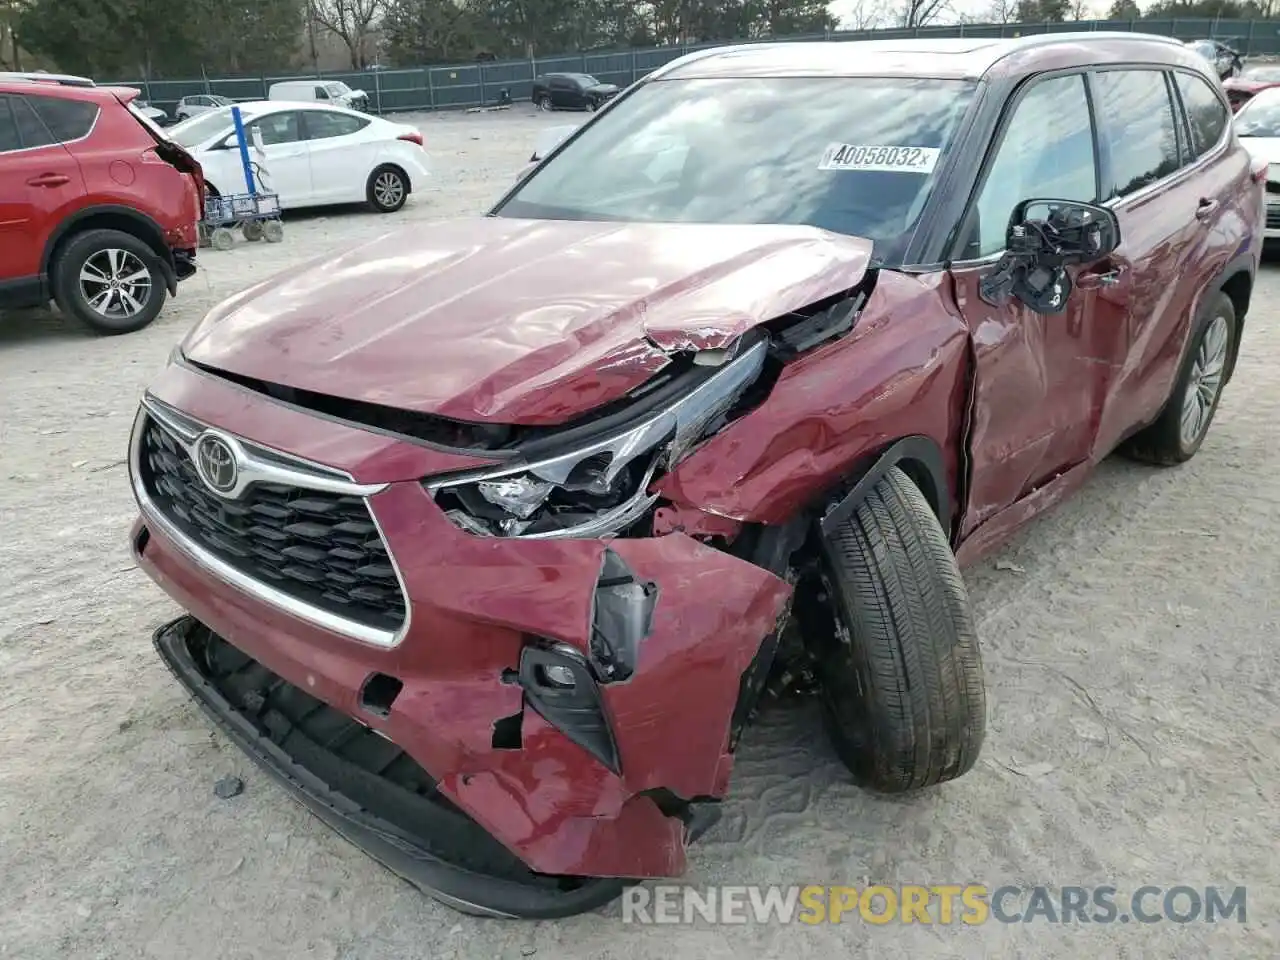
(919, 457)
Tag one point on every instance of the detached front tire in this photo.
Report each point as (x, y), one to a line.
(110, 281)
(901, 676)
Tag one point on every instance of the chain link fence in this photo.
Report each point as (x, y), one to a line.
(465, 85)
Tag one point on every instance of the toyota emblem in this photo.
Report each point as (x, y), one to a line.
(216, 464)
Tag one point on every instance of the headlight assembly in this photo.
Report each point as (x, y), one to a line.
(600, 487)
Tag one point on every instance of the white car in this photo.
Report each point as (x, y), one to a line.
(324, 91)
(200, 103)
(315, 154)
(1258, 127)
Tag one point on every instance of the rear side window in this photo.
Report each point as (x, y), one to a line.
(322, 125)
(31, 128)
(1205, 113)
(8, 128)
(1046, 152)
(1140, 130)
(67, 120)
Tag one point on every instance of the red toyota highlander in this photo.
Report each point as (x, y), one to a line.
(98, 209)
(493, 531)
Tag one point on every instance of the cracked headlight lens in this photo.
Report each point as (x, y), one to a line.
(600, 488)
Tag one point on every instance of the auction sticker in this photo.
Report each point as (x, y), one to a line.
(886, 159)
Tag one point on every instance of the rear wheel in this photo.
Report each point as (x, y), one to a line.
(899, 668)
(544, 103)
(110, 281)
(1181, 428)
(388, 189)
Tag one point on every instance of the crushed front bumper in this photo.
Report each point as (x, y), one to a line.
(612, 787)
(414, 832)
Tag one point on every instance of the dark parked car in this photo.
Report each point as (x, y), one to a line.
(1226, 60)
(571, 91)
(489, 554)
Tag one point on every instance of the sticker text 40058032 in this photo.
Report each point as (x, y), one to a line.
(885, 158)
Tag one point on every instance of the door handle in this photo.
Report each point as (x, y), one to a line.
(49, 180)
(1205, 208)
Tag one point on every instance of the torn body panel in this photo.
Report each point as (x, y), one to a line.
(900, 372)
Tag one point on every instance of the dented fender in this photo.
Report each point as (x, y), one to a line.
(901, 372)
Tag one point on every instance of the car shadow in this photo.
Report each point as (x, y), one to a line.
(39, 325)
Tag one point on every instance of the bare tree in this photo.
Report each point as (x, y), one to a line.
(866, 15)
(1002, 11)
(1079, 10)
(919, 13)
(351, 21)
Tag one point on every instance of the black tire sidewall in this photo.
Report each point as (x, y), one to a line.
(66, 283)
(404, 194)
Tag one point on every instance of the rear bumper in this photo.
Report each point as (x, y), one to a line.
(620, 802)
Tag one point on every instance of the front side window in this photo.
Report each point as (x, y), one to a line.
(1205, 113)
(67, 120)
(276, 129)
(1141, 134)
(852, 155)
(1045, 152)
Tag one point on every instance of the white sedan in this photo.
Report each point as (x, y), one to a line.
(315, 154)
(1258, 127)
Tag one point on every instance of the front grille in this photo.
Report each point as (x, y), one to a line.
(319, 547)
(1273, 218)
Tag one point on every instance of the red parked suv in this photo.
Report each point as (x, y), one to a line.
(492, 532)
(98, 210)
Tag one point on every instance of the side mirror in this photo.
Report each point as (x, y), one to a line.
(1044, 237)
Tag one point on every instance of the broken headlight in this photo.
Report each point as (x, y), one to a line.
(601, 486)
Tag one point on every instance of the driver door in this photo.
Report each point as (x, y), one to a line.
(1036, 376)
(288, 156)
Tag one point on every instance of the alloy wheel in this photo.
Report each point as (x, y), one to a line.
(115, 283)
(1205, 382)
(388, 189)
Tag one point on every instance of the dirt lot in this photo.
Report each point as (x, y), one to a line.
(1129, 641)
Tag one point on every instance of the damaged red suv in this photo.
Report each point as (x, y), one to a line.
(492, 532)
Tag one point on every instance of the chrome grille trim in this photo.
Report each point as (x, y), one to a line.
(268, 466)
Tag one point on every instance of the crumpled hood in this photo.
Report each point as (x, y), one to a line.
(518, 321)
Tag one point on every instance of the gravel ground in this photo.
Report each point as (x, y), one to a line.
(1129, 644)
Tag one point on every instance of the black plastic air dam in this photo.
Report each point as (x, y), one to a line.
(510, 890)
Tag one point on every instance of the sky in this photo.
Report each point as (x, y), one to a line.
(848, 11)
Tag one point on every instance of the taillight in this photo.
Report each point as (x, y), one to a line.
(412, 137)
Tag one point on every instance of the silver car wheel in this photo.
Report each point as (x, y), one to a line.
(1205, 382)
(115, 283)
(388, 189)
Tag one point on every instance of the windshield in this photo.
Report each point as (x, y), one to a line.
(220, 101)
(337, 89)
(585, 79)
(193, 132)
(850, 155)
(1262, 74)
(1260, 117)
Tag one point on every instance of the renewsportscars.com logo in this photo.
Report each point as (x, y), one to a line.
(943, 904)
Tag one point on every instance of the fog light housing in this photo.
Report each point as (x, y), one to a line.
(559, 686)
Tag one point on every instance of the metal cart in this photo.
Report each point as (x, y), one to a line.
(256, 212)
